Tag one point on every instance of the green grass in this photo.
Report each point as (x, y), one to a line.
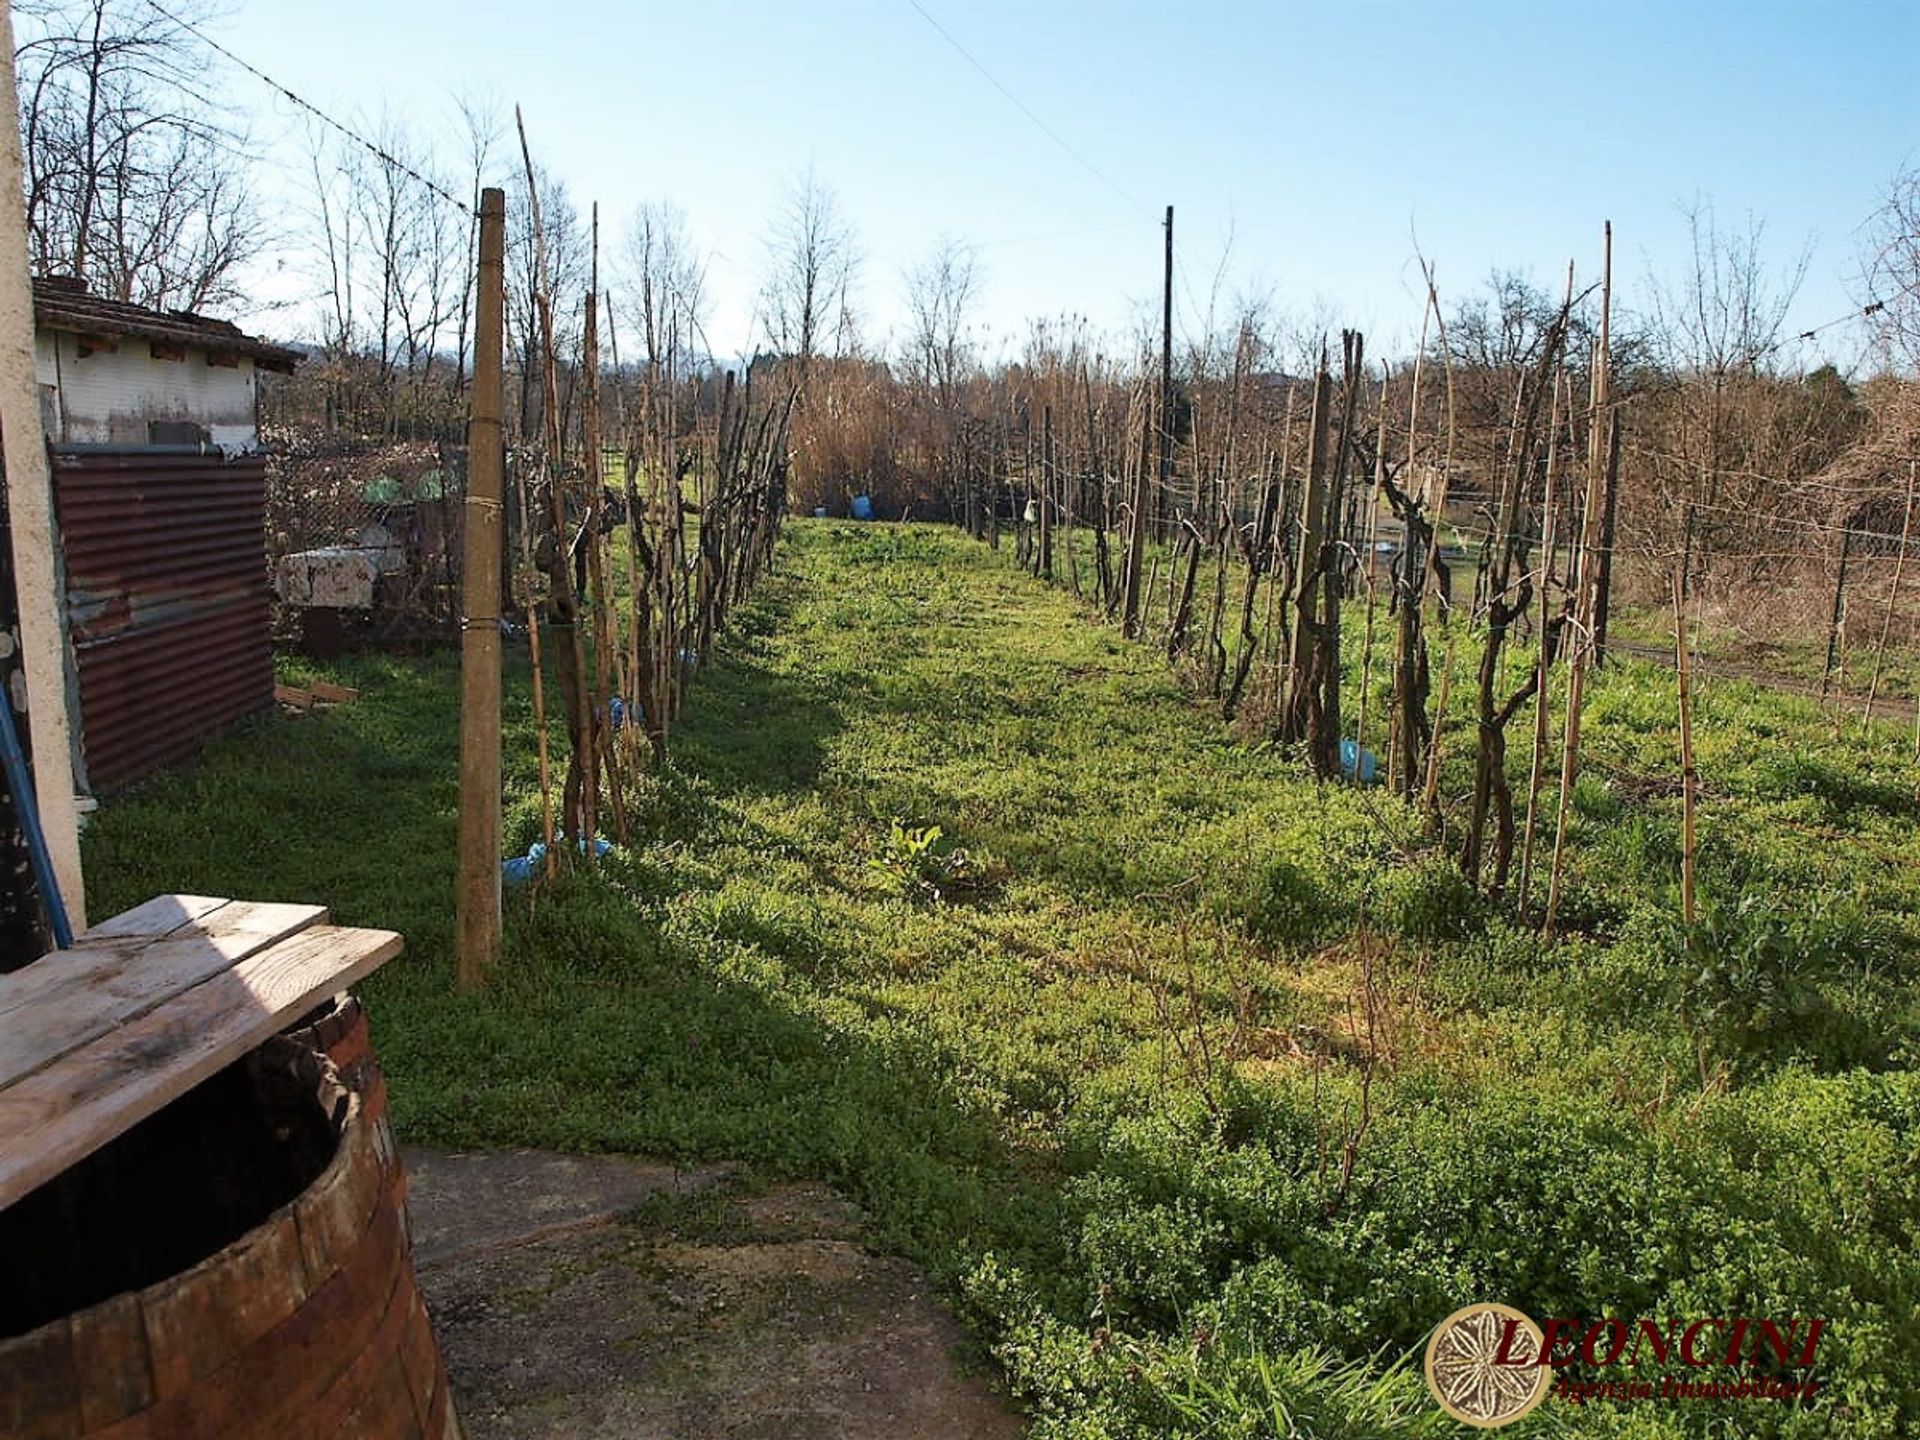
(1100, 1072)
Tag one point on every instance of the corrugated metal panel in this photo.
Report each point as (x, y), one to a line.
(167, 599)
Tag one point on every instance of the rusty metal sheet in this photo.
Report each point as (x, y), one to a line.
(166, 574)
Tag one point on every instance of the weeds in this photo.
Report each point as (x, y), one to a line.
(916, 863)
(1191, 998)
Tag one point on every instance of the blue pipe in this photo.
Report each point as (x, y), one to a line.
(21, 783)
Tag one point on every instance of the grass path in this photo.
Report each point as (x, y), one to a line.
(1095, 1055)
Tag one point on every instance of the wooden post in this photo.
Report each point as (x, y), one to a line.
(1543, 661)
(1603, 562)
(1683, 685)
(1368, 531)
(1137, 516)
(1599, 416)
(1043, 563)
(1838, 617)
(1893, 600)
(1302, 679)
(477, 928)
(1166, 375)
(43, 641)
(1324, 738)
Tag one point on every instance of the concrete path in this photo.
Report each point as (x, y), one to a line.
(596, 1298)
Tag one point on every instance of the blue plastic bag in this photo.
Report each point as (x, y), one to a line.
(522, 868)
(1352, 756)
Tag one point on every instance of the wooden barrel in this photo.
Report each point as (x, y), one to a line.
(310, 1323)
(338, 1030)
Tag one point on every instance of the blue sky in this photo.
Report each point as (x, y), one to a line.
(1321, 138)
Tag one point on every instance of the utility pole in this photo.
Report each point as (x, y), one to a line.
(477, 926)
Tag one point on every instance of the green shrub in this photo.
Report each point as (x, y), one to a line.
(1429, 900)
(1288, 904)
(1760, 974)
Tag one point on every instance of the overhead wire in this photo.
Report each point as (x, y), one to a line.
(1025, 109)
(1872, 308)
(1059, 140)
(378, 151)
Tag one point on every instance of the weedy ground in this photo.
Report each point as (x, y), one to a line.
(1203, 1089)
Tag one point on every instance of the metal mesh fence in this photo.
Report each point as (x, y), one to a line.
(368, 530)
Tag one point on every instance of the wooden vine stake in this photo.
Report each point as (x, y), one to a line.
(1369, 530)
(1437, 512)
(1684, 686)
(1550, 628)
(579, 793)
(477, 917)
(1598, 424)
(1300, 717)
(604, 675)
(1130, 615)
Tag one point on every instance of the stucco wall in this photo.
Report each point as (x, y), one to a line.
(110, 397)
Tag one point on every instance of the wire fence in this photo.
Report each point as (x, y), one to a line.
(363, 537)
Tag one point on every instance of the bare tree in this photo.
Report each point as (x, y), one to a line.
(568, 267)
(941, 293)
(812, 259)
(481, 125)
(1727, 314)
(392, 270)
(1719, 330)
(1890, 271)
(136, 178)
(667, 275)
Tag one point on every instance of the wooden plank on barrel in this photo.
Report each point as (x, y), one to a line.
(65, 1111)
(97, 961)
(157, 918)
(78, 995)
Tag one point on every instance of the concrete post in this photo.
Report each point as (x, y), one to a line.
(30, 513)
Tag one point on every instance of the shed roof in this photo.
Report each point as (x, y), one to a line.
(63, 303)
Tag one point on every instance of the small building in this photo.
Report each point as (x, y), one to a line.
(118, 374)
(160, 498)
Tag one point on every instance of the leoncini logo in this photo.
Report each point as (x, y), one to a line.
(1488, 1365)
